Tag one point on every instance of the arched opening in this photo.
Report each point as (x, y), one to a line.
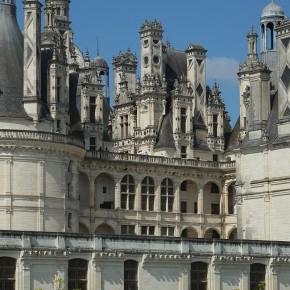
(83, 229)
(148, 193)
(257, 276)
(198, 275)
(231, 198)
(130, 275)
(211, 197)
(167, 195)
(7, 269)
(105, 192)
(270, 36)
(233, 234)
(211, 234)
(104, 229)
(77, 274)
(128, 192)
(84, 190)
(189, 233)
(188, 197)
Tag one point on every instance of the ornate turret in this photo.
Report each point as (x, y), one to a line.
(151, 48)
(272, 15)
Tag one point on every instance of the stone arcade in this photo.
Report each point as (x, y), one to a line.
(157, 190)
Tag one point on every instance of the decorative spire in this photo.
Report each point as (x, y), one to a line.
(87, 59)
(98, 51)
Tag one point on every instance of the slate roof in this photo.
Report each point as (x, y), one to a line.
(11, 64)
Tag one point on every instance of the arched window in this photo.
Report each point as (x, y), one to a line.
(127, 192)
(147, 189)
(167, 195)
(7, 273)
(130, 275)
(69, 220)
(198, 276)
(257, 276)
(270, 36)
(77, 274)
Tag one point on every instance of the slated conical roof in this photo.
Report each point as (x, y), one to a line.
(11, 62)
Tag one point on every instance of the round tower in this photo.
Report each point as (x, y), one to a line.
(272, 15)
(39, 169)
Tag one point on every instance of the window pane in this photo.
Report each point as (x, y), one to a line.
(131, 201)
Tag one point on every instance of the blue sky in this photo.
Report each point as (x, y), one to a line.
(221, 26)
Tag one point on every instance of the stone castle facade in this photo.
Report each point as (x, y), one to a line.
(101, 197)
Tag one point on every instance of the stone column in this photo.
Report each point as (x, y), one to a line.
(118, 194)
(138, 199)
(217, 277)
(92, 192)
(184, 281)
(157, 202)
(95, 281)
(26, 264)
(176, 205)
(200, 201)
(245, 278)
(273, 279)
(8, 194)
(41, 193)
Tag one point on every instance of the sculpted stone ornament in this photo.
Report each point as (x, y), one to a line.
(246, 97)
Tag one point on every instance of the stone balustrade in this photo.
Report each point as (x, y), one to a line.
(33, 241)
(160, 160)
(40, 136)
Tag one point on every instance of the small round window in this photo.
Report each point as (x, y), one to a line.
(146, 60)
(146, 43)
(155, 41)
(155, 59)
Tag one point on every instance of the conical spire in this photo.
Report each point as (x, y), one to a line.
(11, 62)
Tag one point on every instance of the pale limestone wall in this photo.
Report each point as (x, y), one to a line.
(162, 263)
(263, 194)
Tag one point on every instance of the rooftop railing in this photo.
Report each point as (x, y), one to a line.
(40, 136)
(105, 155)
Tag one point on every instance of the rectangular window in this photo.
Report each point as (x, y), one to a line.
(92, 144)
(215, 208)
(183, 207)
(167, 231)
(215, 125)
(183, 120)
(124, 126)
(58, 86)
(245, 123)
(215, 158)
(104, 189)
(127, 229)
(183, 150)
(92, 109)
(107, 205)
(195, 210)
(57, 125)
(147, 230)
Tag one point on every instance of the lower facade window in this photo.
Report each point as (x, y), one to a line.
(7, 273)
(167, 231)
(257, 276)
(130, 275)
(148, 230)
(77, 274)
(127, 229)
(198, 276)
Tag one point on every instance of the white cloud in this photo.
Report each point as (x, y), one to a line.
(222, 68)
